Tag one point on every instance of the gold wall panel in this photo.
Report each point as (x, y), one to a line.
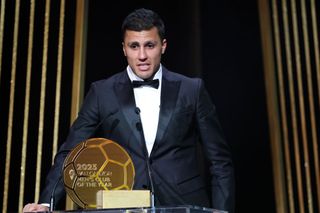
(42, 96)
(11, 107)
(35, 86)
(26, 106)
(294, 109)
(2, 15)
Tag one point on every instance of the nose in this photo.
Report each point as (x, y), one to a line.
(142, 54)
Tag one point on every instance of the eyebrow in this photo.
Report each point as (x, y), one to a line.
(145, 43)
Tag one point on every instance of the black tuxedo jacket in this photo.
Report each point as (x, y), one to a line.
(187, 116)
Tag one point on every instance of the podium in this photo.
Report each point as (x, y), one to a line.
(164, 209)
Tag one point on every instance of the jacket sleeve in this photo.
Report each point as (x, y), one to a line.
(217, 152)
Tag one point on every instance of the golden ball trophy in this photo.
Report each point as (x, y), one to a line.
(99, 173)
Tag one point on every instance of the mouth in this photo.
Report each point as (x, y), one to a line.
(143, 67)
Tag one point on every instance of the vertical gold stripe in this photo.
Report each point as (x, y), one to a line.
(3, 7)
(317, 63)
(26, 106)
(58, 84)
(311, 99)
(301, 102)
(292, 104)
(79, 58)
(311, 96)
(283, 106)
(78, 66)
(42, 99)
(11, 106)
(273, 109)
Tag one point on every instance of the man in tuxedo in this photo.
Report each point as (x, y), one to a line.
(158, 117)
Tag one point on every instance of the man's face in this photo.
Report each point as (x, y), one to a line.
(143, 51)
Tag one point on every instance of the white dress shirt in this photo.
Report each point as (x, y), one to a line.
(148, 101)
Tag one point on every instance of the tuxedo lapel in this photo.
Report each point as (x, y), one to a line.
(169, 93)
(125, 95)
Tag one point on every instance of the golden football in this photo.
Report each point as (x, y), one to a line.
(93, 165)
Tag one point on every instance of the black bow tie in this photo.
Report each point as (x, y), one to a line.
(152, 83)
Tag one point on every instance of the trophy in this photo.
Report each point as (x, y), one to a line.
(94, 165)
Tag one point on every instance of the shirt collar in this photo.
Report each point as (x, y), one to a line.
(134, 77)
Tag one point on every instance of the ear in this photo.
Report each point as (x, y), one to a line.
(123, 49)
(164, 46)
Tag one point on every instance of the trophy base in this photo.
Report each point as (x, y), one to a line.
(123, 199)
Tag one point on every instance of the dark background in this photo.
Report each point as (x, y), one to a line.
(220, 42)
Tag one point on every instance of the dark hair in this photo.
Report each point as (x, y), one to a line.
(143, 19)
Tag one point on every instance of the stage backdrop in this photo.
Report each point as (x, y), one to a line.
(259, 60)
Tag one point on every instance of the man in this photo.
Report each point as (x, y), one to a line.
(160, 121)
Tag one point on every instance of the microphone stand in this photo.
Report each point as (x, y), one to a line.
(151, 184)
(140, 129)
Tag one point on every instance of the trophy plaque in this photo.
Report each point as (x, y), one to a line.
(93, 165)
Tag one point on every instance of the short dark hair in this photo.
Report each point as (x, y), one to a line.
(143, 19)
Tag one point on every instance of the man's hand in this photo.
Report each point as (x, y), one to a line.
(34, 207)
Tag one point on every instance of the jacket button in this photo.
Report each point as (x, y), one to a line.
(139, 126)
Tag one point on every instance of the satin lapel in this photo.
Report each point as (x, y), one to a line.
(169, 95)
(125, 95)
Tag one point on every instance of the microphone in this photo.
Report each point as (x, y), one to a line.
(52, 198)
(140, 129)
